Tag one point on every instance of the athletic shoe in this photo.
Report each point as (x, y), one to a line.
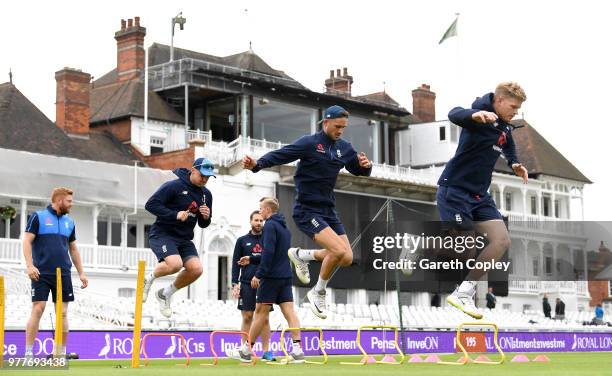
(297, 355)
(317, 303)
(301, 266)
(465, 303)
(147, 286)
(164, 303)
(238, 354)
(268, 357)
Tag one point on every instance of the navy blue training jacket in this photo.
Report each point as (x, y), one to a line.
(50, 248)
(480, 145)
(276, 242)
(246, 245)
(174, 196)
(321, 159)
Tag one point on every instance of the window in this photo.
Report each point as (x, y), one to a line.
(546, 206)
(443, 133)
(548, 265)
(508, 201)
(360, 133)
(526, 307)
(536, 266)
(223, 119)
(340, 296)
(557, 214)
(126, 292)
(116, 234)
(534, 208)
(157, 144)
(277, 121)
(507, 306)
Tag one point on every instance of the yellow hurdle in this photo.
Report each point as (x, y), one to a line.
(286, 360)
(465, 353)
(1, 319)
(138, 315)
(365, 354)
(59, 305)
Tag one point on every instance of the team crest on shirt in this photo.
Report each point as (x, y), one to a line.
(256, 249)
(320, 148)
(48, 221)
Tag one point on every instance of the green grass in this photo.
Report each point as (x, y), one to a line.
(561, 364)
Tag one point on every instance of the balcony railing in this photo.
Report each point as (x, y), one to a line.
(521, 285)
(93, 256)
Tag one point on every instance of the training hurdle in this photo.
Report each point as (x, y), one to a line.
(59, 305)
(216, 356)
(364, 361)
(138, 315)
(466, 358)
(287, 358)
(1, 319)
(181, 338)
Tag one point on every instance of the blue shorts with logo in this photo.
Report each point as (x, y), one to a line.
(164, 246)
(248, 297)
(274, 291)
(460, 209)
(48, 282)
(311, 219)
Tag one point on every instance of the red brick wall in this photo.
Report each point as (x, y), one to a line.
(72, 101)
(599, 290)
(170, 160)
(424, 103)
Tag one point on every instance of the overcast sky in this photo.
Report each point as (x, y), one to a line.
(558, 51)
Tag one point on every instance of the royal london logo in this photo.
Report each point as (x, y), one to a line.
(320, 148)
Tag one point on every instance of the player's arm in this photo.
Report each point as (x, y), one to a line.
(509, 150)
(235, 267)
(358, 164)
(284, 155)
(267, 253)
(470, 118)
(156, 204)
(205, 212)
(28, 239)
(75, 256)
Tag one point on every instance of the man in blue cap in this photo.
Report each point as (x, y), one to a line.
(322, 156)
(178, 205)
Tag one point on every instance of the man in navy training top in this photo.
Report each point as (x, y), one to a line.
(246, 259)
(322, 156)
(463, 200)
(273, 281)
(49, 242)
(178, 205)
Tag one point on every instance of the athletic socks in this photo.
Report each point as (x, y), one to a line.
(150, 277)
(297, 344)
(169, 290)
(321, 284)
(306, 254)
(467, 287)
(28, 350)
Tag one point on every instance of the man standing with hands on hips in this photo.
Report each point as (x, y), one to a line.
(178, 205)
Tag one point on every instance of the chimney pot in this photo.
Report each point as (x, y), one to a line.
(130, 23)
(137, 21)
(344, 72)
(331, 73)
(338, 73)
(122, 24)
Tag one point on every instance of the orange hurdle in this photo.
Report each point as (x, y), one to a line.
(180, 336)
(216, 356)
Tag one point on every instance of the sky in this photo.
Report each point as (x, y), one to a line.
(558, 51)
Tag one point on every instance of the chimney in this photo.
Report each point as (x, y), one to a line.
(72, 101)
(130, 49)
(424, 103)
(340, 84)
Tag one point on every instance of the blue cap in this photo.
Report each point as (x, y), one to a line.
(335, 112)
(205, 166)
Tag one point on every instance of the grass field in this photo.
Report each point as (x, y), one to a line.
(561, 364)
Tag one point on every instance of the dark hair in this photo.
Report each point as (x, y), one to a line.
(252, 214)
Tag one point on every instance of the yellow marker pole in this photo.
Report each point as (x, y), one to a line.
(59, 323)
(138, 315)
(1, 320)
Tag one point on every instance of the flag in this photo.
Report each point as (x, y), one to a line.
(451, 32)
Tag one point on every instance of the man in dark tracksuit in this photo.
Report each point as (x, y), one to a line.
(246, 259)
(178, 205)
(322, 156)
(463, 200)
(273, 281)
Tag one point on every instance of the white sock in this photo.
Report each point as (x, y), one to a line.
(150, 277)
(169, 290)
(297, 346)
(306, 254)
(28, 350)
(321, 284)
(467, 287)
